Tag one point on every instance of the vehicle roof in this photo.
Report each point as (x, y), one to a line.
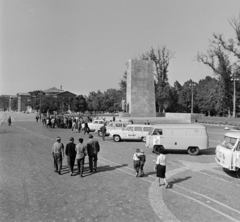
(140, 125)
(180, 126)
(233, 134)
(119, 122)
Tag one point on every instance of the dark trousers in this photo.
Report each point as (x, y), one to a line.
(71, 161)
(141, 168)
(86, 130)
(103, 135)
(136, 165)
(80, 165)
(57, 157)
(79, 129)
(93, 161)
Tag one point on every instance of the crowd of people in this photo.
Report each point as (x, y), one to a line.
(76, 152)
(66, 122)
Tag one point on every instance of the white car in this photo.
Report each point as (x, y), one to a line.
(131, 132)
(95, 125)
(114, 126)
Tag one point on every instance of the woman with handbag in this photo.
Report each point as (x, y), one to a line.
(80, 156)
(161, 167)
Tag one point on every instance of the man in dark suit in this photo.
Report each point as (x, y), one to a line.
(71, 154)
(93, 149)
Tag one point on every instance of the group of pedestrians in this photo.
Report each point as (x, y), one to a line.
(139, 159)
(76, 124)
(76, 152)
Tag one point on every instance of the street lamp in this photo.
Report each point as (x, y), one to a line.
(192, 84)
(234, 92)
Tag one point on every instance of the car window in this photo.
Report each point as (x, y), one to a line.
(147, 129)
(157, 132)
(101, 122)
(238, 147)
(138, 128)
(229, 142)
(129, 128)
(118, 125)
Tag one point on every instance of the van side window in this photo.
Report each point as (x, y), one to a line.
(147, 129)
(157, 132)
(118, 125)
(137, 128)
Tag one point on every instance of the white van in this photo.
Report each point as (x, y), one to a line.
(131, 132)
(190, 137)
(228, 152)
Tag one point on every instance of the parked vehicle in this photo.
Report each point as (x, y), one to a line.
(95, 125)
(113, 126)
(190, 137)
(228, 152)
(131, 132)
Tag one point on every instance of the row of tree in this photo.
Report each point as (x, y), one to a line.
(211, 96)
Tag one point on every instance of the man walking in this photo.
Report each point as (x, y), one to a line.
(81, 153)
(58, 154)
(71, 154)
(93, 149)
(86, 128)
(103, 130)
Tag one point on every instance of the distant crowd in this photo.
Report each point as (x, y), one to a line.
(66, 122)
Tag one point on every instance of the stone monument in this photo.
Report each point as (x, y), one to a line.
(140, 89)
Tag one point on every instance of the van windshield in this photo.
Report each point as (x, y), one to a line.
(229, 142)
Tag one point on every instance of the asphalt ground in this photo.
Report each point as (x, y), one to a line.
(30, 190)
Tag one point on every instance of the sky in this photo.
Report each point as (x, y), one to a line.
(83, 45)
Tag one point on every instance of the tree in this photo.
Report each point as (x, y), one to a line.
(80, 104)
(123, 86)
(231, 45)
(219, 61)
(185, 97)
(207, 96)
(161, 58)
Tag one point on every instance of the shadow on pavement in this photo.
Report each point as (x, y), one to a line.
(230, 173)
(209, 151)
(104, 169)
(178, 180)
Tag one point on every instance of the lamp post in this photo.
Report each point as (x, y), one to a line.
(192, 84)
(235, 77)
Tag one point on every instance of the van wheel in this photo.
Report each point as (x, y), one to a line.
(100, 133)
(193, 151)
(238, 173)
(156, 149)
(116, 138)
(143, 139)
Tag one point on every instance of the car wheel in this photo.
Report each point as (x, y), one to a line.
(143, 139)
(116, 138)
(193, 151)
(100, 133)
(238, 173)
(156, 149)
